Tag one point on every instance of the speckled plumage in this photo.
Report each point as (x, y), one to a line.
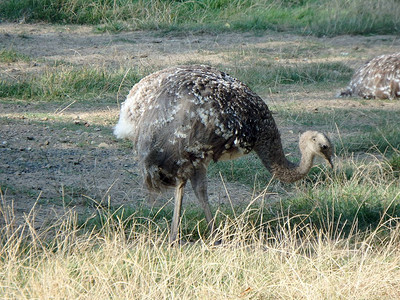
(378, 79)
(181, 118)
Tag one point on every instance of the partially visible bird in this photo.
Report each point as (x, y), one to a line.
(378, 79)
(182, 118)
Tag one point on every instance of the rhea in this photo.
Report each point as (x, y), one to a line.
(377, 79)
(182, 118)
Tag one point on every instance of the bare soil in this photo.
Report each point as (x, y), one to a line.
(56, 157)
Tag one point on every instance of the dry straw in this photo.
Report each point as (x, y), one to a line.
(276, 259)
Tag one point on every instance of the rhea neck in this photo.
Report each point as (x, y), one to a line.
(274, 159)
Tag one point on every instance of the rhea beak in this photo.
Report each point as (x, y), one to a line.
(329, 161)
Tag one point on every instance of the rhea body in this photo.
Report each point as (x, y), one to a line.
(377, 79)
(182, 118)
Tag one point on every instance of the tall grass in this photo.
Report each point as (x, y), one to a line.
(279, 260)
(319, 17)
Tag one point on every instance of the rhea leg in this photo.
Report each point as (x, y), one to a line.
(177, 212)
(152, 197)
(199, 184)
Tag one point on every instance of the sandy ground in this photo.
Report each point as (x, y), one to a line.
(56, 158)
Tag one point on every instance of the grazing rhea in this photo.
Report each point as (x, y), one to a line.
(379, 78)
(182, 118)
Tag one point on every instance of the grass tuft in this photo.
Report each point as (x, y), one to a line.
(11, 55)
(394, 164)
(65, 82)
(318, 17)
(271, 74)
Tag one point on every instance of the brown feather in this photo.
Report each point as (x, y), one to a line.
(183, 116)
(378, 79)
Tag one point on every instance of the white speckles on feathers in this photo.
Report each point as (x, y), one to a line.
(195, 114)
(379, 78)
(182, 118)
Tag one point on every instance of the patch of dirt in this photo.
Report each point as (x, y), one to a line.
(73, 162)
(62, 158)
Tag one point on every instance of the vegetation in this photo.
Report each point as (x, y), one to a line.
(64, 82)
(334, 235)
(318, 17)
(9, 56)
(339, 232)
(60, 80)
(372, 130)
(278, 73)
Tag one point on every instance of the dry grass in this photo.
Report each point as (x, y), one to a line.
(280, 261)
(333, 236)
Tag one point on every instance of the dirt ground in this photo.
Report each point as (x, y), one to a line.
(55, 158)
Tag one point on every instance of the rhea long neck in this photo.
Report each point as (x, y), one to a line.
(271, 154)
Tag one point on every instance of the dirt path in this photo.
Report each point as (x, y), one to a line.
(66, 157)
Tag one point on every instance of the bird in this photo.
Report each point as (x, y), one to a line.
(182, 118)
(377, 79)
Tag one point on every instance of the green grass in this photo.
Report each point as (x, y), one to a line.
(363, 129)
(246, 170)
(394, 164)
(318, 17)
(63, 82)
(382, 140)
(356, 203)
(260, 74)
(10, 56)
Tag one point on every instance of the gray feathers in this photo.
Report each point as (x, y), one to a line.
(182, 118)
(185, 116)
